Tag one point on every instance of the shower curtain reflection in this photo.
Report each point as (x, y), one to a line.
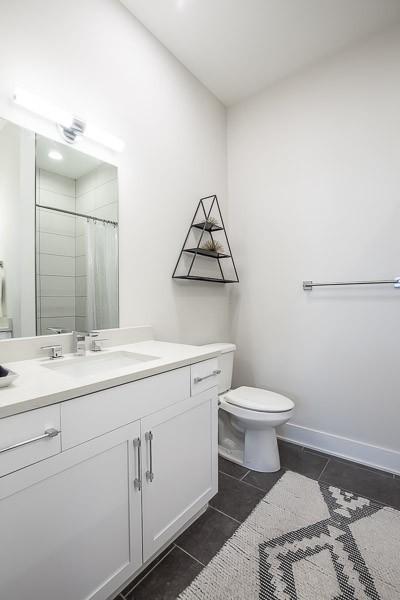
(102, 275)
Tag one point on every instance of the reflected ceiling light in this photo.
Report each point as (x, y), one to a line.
(55, 155)
(71, 127)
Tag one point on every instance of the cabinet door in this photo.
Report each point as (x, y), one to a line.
(71, 525)
(180, 466)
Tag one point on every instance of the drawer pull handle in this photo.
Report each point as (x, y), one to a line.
(213, 374)
(49, 433)
(138, 480)
(149, 438)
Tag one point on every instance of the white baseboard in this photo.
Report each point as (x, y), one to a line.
(365, 454)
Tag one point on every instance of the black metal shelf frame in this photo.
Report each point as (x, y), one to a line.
(209, 229)
(209, 253)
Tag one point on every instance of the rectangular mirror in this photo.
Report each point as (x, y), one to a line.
(58, 237)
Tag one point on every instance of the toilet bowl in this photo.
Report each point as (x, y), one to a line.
(247, 419)
(253, 443)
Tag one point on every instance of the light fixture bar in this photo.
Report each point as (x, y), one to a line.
(71, 126)
(41, 107)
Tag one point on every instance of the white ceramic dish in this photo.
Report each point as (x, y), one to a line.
(8, 379)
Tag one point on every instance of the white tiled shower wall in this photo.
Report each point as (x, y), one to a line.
(55, 247)
(61, 242)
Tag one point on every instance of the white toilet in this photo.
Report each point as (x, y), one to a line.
(247, 418)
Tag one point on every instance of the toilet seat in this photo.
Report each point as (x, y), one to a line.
(257, 399)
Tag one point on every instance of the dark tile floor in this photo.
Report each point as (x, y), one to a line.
(240, 490)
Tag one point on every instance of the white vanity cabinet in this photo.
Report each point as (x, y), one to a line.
(180, 467)
(71, 525)
(125, 481)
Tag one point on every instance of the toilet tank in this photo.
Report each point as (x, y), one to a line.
(225, 364)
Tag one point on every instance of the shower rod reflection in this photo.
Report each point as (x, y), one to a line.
(308, 285)
(75, 214)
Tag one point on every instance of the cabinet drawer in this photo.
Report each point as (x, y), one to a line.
(204, 375)
(89, 416)
(29, 437)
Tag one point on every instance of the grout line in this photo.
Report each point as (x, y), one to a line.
(57, 193)
(225, 514)
(352, 463)
(42, 316)
(245, 475)
(323, 470)
(50, 275)
(191, 555)
(223, 472)
(245, 482)
(96, 187)
(58, 255)
(152, 569)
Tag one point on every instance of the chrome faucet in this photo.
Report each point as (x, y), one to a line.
(80, 336)
(95, 344)
(55, 351)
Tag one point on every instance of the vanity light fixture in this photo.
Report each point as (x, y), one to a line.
(70, 126)
(55, 155)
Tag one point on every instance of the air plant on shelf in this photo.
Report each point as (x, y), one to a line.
(212, 222)
(213, 246)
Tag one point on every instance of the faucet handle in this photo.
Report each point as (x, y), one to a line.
(96, 345)
(55, 351)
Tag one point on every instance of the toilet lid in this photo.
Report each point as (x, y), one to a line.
(258, 399)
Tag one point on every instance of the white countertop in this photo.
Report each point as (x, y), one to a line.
(37, 386)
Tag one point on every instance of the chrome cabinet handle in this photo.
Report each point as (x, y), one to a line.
(213, 374)
(137, 443)
(49, 433)
(149, 438)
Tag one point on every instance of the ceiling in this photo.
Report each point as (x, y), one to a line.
(73, 163)
(238, 47)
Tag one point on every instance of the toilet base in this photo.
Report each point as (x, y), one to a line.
(248, 437)
(234, 456)
(259, 452)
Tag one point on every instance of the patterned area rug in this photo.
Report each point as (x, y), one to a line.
(307, 541)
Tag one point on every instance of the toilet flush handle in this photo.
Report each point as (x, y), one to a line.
(213, 374)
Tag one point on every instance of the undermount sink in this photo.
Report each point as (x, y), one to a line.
(84, 366)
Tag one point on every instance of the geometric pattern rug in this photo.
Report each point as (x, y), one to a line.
(307, 540)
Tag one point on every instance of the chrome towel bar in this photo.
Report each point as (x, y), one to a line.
(49, 433)
(309, 285)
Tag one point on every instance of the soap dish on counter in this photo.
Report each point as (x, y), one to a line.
(8, 379)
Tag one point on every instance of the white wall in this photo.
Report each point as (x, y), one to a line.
(17, 226)
(314, 184)
(10, 206)
(94, 58)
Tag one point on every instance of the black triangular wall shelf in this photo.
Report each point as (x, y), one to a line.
(207, 225)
